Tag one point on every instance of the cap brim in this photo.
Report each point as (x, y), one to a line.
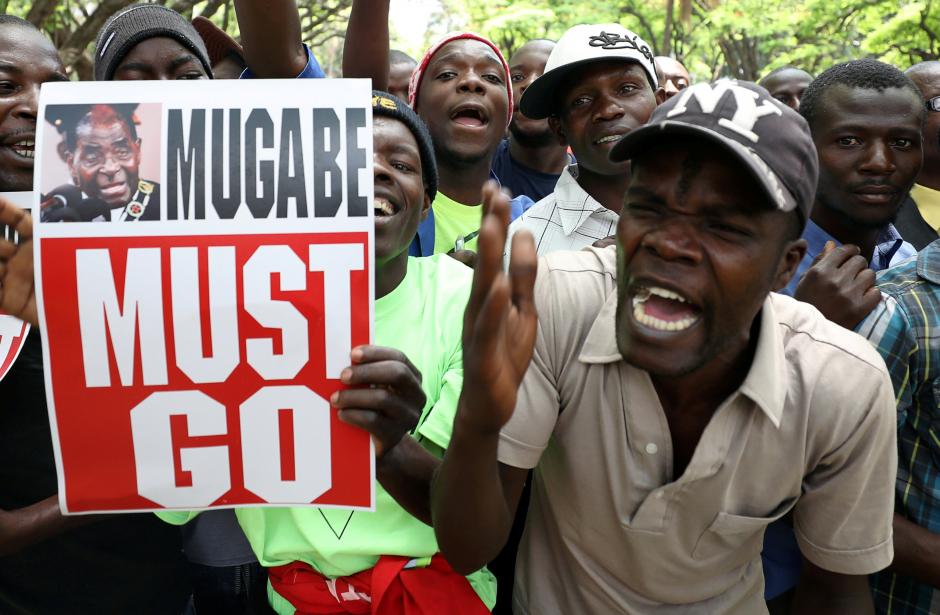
(538, 100)
(639, 140)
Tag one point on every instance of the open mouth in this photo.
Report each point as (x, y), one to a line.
(608, 139)
(662, 309)
(470, 116)
(383, 207)
(24, 148)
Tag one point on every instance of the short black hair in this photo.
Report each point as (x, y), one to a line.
(13, 20)
(400, 57)
(865, 74)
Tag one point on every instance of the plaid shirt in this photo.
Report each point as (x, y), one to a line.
(905, 329)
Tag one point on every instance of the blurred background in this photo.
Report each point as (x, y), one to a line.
(743, 39)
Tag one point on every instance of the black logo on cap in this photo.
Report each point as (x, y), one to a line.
(605, 40)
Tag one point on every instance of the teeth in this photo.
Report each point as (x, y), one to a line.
(660, 325)
(666, 294)
(640, 297)
(608, 139)
(383, 206)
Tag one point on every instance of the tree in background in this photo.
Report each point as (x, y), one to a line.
(73, 24)
(713, 38)
(724, 38)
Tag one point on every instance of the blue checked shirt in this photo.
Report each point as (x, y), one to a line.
(905, 328)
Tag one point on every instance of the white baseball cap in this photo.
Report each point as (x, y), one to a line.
(582, 45)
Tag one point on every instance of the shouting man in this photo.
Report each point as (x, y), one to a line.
(674, 406)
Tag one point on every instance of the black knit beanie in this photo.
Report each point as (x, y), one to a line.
(140, 22)
(389, 105)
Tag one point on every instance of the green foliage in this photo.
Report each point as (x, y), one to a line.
(741, 38)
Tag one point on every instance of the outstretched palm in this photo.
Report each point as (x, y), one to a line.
(500, 321)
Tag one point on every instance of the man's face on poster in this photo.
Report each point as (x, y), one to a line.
(106, 159)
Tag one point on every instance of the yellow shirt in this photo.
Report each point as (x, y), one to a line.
(453, 220)
(928, 202)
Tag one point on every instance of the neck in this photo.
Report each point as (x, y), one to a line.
(551, 158)
(463, 182)
(390, 273)
(930, 174)
(608, 190)
(699, 393)
(845, 230)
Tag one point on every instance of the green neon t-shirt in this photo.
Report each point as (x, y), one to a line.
(453, 220)
(423, 318)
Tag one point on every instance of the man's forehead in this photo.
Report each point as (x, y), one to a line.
(841, 101)
(533, 50)
(467, 50)
(112, 127)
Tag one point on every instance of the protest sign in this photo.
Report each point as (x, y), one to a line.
(13, 331)
(213, 272)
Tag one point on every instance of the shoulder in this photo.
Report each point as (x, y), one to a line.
(826, 359)
(446, 280)
(575, 285)
(536, 216)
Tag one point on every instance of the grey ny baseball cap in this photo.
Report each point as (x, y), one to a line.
(577, 47)
(770, 139)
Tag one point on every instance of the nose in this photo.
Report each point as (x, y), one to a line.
(673, 240)
(607, 109)
(381, 171)
(470, 81)
(878, 160)
(110, 166)
(27, 103)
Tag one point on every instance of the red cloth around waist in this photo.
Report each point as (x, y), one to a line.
(388, 588)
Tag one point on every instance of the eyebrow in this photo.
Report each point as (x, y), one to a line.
(404, 149)
(456, 55)
(13, 68)
(181, 60)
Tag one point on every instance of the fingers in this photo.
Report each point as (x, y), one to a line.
(523, 267)
(14, 217)
(490, 245)
(369, 353)
(7, 249)
(405, 380)
(835, 257)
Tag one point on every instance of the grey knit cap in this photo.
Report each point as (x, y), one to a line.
(137, 23)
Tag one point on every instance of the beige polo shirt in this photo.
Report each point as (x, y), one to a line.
(611, 530)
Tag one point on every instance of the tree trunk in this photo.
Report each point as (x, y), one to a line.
(40, 11)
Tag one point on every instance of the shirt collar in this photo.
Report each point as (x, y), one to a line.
(766, 381)
(573, 204)
(928, 262)
(887, 244)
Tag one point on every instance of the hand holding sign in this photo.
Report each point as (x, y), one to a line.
(500, 321)
(17, 291)
(390, 400)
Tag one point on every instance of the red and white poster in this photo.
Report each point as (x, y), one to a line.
(204, 267)
(13, 331)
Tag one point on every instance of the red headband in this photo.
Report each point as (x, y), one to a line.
(415, 83)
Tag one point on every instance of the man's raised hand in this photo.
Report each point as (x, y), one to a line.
(17, 290)
(500, 321)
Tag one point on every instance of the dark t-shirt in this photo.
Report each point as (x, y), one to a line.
(127, 564)
(520, 179)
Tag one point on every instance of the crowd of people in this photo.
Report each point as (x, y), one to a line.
(642, 345)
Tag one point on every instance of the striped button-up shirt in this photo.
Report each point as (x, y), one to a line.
(905, 328)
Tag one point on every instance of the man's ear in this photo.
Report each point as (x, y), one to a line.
(793, 253)
(70, 162)
(555, 125)
(660, 95)
(425, 207)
